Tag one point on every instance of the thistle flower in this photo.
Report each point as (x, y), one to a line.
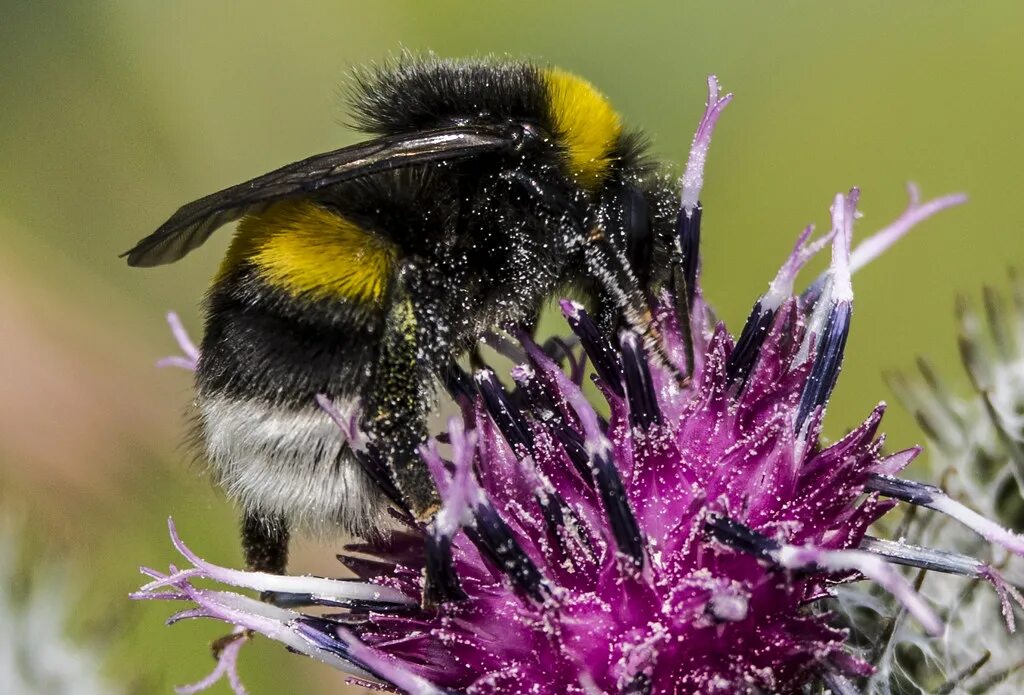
(689, 543)
(976, 444)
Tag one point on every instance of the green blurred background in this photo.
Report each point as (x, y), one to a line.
(115, 113)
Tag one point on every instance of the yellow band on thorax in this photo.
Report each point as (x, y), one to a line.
(309, 251)
(586, 124)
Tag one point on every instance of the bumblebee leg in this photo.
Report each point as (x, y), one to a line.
(397, 406)
(609, 317)
(616, 251)
(626, 257)
(458, 383)
(618, 285)
(265, 543)
(476, 358)
(632, 232)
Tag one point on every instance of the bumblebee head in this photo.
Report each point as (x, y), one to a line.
(584, 125)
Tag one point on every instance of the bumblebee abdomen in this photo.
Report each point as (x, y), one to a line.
(263, 343)
(288, 462)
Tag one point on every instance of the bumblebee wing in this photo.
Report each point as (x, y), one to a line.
(193, 224)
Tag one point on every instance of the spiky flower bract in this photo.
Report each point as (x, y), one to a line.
(975, 448)
(688, 543)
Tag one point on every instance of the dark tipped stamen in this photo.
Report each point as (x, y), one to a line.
(323, 633)
(691, 183)
(910, 491)
(748, 346)
(741, 537)
(563, 523)
(283, 599)
(441, 582)
(535, 394)
(810, 296)
(506, 416)
(683, 313)
(365, 606)
(494, 538)
(364, 568)
(577, 529)
(551, 509)
(598, 348)
(934, 498)
(801, 558)
(925, 558)
(290, 600)
(625, 529)
(688, 236)
(575, 449)
(644, 411)
(542, 404)
(828, 360)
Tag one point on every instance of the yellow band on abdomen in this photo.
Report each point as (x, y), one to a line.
(309, 251)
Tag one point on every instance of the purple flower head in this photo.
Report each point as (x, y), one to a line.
(686, 543)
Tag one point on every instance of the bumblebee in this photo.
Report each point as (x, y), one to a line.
(362, 275)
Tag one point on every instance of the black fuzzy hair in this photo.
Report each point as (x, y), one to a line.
(410, 93)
